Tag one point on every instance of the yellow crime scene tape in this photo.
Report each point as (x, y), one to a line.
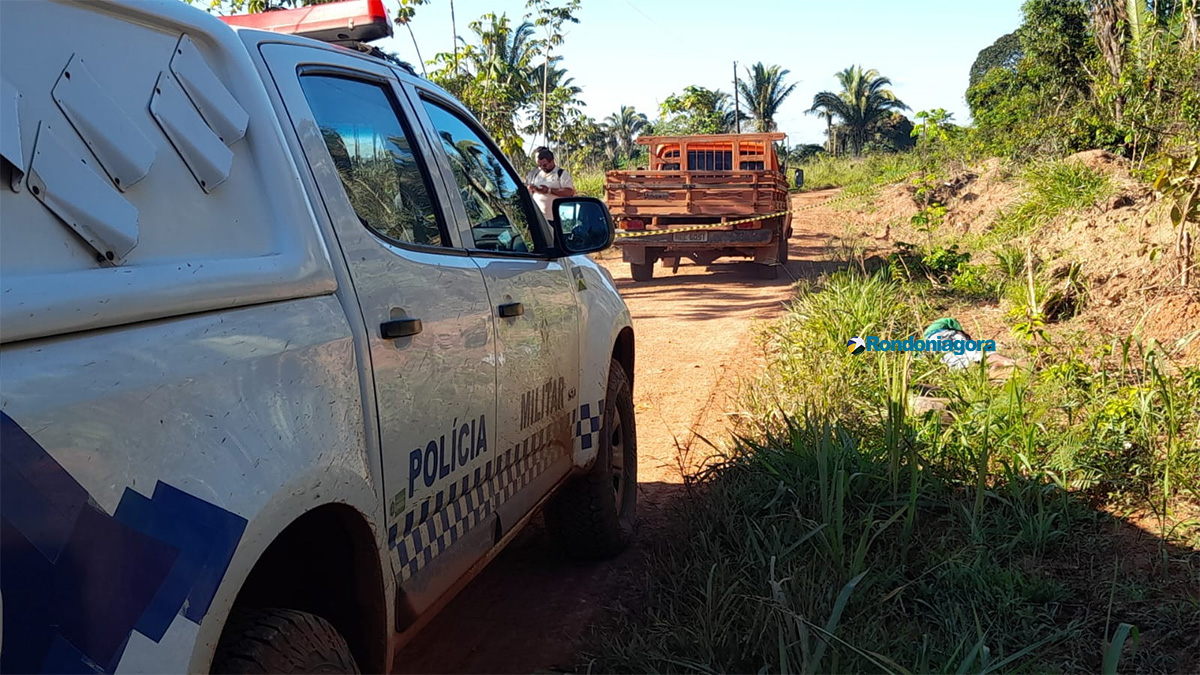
(624, 234)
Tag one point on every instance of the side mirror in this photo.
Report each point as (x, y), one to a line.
(799, 178)
(582, 225)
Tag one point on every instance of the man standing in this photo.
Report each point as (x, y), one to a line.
(549, 181)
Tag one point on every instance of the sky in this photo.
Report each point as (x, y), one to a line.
(638, 52)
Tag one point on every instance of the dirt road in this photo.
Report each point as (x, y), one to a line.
(528, 611)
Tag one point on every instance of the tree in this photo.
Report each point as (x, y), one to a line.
(625, 126)
(864, 99)
(891, 133)
(550, 19)
(697, 110)
(585, 143)
(494, 76)
(561, 101)
(1005, 53)
(1055, 38)
(798, 154)
(764, 91)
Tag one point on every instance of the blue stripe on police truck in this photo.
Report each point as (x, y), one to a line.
(77, 582)
(423, 538)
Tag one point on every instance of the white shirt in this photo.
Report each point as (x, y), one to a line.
(557, 178)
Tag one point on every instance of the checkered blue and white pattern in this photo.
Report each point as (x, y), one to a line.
(467, 502)
(587, 428)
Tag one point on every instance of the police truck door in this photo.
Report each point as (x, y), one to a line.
(424, 304)
(535, 303)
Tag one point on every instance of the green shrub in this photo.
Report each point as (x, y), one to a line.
(1057, 187)
(1010, 262)
(944, 263)
(975, 282)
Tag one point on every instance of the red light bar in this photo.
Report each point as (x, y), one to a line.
(348, 21)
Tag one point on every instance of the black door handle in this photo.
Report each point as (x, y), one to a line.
(399, 328)
(511, 309)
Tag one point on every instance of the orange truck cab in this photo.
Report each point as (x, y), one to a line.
(703, 197)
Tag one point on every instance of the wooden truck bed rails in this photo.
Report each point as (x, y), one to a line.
(676, 193)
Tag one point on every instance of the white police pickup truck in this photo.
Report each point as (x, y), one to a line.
(286, 352)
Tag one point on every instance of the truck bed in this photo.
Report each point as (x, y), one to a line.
(693, 193)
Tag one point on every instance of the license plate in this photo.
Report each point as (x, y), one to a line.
(691, 237)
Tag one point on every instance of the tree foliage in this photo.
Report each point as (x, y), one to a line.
(697, 110)
(764, 90)
(865, 100)
(551, 19)
(625, 126)
(1005, 53)
(494, 76)
(1122, 75)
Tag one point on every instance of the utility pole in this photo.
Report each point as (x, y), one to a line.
(737, 103)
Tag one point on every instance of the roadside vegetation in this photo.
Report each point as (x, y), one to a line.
(856, 173)
(881, 512)
(1040, 522)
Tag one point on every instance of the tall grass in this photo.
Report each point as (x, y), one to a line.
(1052, 189)
(811, 342)
(590, 183)
(844, 533)
(863, 172)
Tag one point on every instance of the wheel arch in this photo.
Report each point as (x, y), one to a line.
(623, 351)
(327, 562)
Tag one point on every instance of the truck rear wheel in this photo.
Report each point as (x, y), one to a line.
(281, 641)
(594, 515)
(783, 250)
(642, 271)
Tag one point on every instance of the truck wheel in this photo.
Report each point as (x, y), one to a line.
(594, 515)
(783, 250)
(281, 641)
(642, 271)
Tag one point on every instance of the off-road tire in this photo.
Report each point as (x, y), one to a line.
(642, 271)
(591, 517)
(281, 641)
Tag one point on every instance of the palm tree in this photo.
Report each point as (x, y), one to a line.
(505, 53)
(727, 115)
(492, 75)
(863, 100)
(625, 126)
(764, 91)
(562, 97)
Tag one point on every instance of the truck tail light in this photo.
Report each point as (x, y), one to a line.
(347, 21)
(633, 224)
(752, 225)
